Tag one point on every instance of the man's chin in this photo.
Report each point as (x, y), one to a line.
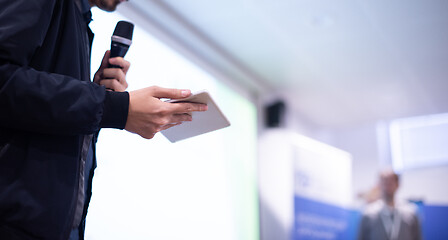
(109, 6)
(110, 9)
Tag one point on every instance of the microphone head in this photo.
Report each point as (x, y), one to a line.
(124, 30)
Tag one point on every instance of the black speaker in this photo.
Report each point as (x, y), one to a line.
(275, 114)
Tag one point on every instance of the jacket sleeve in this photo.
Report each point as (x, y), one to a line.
(44, 102)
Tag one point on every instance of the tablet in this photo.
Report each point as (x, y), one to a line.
(203, 122)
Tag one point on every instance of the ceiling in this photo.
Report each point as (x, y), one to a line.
(336, 63)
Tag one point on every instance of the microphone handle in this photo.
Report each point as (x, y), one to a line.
(117, 50)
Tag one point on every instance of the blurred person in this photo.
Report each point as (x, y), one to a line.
(51, 113)
(385, 219)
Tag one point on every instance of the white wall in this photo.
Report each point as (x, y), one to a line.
(427, 184)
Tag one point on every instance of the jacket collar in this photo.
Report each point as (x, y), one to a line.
(84, 8)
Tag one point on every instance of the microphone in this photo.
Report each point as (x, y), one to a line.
(121, 40)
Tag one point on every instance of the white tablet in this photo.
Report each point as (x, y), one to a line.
(203, 122)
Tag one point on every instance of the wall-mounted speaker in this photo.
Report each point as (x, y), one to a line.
(275, 114)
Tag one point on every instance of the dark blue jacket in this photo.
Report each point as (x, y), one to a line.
(47, 105)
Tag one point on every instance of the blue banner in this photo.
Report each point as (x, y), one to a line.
(434, 222)
(316, 220)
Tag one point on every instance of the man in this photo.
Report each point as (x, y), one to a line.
(50, 113)
(387, 220)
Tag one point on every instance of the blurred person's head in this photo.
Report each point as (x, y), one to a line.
(389, 183)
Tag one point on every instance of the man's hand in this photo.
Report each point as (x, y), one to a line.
(149, 115)
(112, 78)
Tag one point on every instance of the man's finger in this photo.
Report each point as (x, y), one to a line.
(185, 117)
(114, 73)
(119, 61)
(105, 61)
(159, 92)
(186, 107)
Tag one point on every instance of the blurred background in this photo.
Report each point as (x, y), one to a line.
(321, 95)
